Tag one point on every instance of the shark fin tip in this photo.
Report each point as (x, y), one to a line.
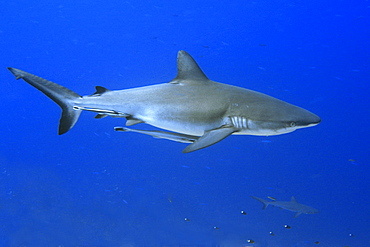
(188, 69)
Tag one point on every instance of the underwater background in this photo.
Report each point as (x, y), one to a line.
(96, 187)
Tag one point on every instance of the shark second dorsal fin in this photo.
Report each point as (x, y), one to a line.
(188, 69)
(100, 90)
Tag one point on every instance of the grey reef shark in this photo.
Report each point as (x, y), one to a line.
(193, 108)
(292, 205)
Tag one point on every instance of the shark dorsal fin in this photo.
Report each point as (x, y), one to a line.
(100, 90)
(188, 69)
(293, 199)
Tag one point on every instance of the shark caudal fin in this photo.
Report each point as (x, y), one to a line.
(265, 202)
(59, 94)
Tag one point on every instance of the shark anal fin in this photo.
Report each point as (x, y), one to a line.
(100, 115)
(209, 138)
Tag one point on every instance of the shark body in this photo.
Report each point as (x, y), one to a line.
(292, 205)
(195, 109)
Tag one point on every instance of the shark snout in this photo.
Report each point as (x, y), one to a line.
(304, 118)
(309, 119)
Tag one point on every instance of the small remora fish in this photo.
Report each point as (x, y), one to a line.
(194, 108)
(292, 205)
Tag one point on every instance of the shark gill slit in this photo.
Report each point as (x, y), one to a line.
(239, 122)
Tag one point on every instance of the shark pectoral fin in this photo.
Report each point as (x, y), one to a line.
(209, 138)
(162, 134)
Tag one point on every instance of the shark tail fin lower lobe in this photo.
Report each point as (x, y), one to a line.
(59, 94)
(265, 202)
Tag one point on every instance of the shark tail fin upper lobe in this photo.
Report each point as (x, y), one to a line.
(265, 202)
(59, 94)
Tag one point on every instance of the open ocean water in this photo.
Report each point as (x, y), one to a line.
(96, 187)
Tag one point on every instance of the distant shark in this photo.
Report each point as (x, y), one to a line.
(293, 205)
(197, 110)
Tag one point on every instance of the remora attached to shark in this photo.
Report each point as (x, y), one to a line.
(293, 205)
(197, 110)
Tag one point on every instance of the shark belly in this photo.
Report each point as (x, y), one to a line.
(171, 119)
(187, 114)
(184, 127)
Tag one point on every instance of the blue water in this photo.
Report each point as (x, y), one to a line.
(95, 187)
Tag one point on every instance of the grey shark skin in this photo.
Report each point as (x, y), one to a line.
(197, 110)
(292, 205)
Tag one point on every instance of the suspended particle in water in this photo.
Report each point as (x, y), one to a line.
(316, 242)
(243, 212)
(250, 241)
(216, 228)
(272, 234)
(351, 235)
(187, 219)
(287, 226)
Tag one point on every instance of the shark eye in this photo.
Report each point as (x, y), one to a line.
(292, 124)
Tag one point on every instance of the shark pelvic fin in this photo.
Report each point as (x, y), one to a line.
(297, 214)
(132, 121)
